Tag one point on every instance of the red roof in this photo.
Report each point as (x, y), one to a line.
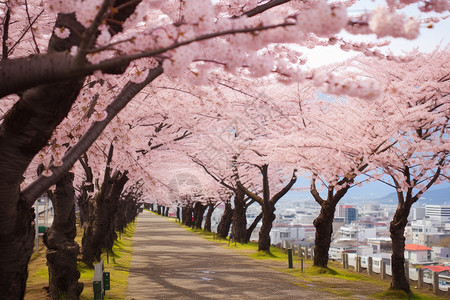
(415, 247)
(437, 268)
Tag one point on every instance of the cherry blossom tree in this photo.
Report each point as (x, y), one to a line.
(416, 102)
(134, 41)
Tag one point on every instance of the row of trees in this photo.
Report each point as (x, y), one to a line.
(68, 68)
(102, 215)
(340, 142)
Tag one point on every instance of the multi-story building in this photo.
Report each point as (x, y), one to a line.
(355, 233)
(439, 213)
(380, 245)
(424, 232)
(417, 213)
(348, 212)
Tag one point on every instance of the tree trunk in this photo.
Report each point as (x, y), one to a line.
(324, 222)
(187, 215)
(225, 222)
(128, 206)
(178, 214)
(120, 221)
(397, 230)
(100, 231)
(16, 240)
(239, 217)
(83, 205)
(252, 227)
(199, 211)
(87, 188)
(324, 229)
(211, 207)
(25, 130)
(62, 250)
(267, 204)
(159, 208)
(268, 217)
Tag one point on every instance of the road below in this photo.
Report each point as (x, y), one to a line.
(171, 263)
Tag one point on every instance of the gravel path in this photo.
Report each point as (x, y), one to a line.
(171, 263)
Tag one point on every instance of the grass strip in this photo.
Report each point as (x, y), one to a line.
(312, 273)
(118, 266)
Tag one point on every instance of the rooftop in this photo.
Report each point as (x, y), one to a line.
(437, 268)
(415, 247)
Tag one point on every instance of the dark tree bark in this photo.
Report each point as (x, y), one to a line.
(199, 211)
(128, 206)
(25, 130)
(268, 206)
(239, 217)
(324, 230)
(268, 216)
(187, 214)
(225, 221)
(398, 224)
(211, 208)
(324, 222)
(87, 188)
(62, 250)
(397, 230)
(252, 227)
(100, 233)
(159, 210)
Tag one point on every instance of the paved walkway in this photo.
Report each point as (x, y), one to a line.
(171, 263)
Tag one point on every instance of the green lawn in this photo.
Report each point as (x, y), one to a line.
(118, 266)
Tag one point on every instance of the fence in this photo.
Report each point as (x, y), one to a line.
(377, 265)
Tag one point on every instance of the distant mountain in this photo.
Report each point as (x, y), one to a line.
(431, 197)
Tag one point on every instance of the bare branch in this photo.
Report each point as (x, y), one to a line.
(31, 28)
(262, 8)
(5, 34)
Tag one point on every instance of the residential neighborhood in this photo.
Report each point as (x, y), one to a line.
(363, 230)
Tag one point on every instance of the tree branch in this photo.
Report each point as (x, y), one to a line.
(35, 189)
(25, 72)
(286, 188)
(253, 196)
(31, 28)
(262, 8)
(219, 180)
(315, 193)
(5, 34)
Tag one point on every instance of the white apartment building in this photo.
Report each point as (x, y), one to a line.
(280, 233)
(424, 232)
(417, 213)
(439, 213)
(356, 233)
